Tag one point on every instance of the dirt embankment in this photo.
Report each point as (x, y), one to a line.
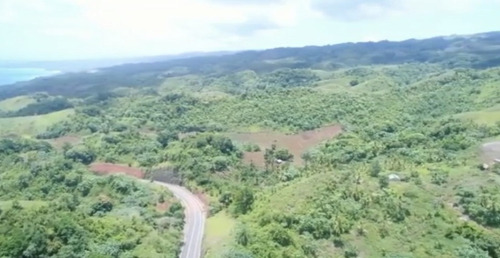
(297, 144)
(110, 168)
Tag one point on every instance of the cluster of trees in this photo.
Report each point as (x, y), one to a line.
(51, 206)
(482, 205)
(337, 205)
(200, 156)
(274, 155)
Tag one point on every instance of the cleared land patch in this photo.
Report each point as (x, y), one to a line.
(31, 125)
(59, 142)
(110, 168)
(488, 116)
(491, 151)
(297, 144)
(15, 103)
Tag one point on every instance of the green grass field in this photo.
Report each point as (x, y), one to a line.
(16, 103)
(24, 204)
(488, 116)
(31, 125)
(218, 234)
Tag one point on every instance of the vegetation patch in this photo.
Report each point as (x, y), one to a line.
(52, 206)
(32, 125)
(16, 103)
(22, 204)
(218, 234)
(488, 116)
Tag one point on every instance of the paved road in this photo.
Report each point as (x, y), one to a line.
(195, 220)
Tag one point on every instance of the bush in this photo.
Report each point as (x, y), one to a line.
(375, 169)
(439, 177)
(383, 181)
(81, 154)
(251, 148)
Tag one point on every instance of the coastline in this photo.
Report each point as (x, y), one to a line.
(12, 75)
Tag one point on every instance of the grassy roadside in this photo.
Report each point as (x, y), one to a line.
(218, 234)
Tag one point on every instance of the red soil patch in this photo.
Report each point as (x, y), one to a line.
(256, 158)
(297, 144)
(110, 168)
(59, 142)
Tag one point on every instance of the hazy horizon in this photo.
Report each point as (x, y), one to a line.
(91, 29)
(190, 54)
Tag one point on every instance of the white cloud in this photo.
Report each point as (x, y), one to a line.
(69, 32)
(358, 10)
(13, 10)
(173, 26)
(152, 19)
(91, 28)
(7, 15)
(289, 13)
(371, 38)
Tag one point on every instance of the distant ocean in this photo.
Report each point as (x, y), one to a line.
(12, 75)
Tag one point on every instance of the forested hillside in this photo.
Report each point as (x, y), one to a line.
(472, 51)
(400, 170)
(50, 206)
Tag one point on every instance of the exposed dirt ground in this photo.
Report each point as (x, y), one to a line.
(58, 143)
(297, 144)
(109, 168)
(490, 151)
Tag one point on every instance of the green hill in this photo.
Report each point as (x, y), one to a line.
(15, 103)
(50, 205)
(468, 51)
(31, 125)
(404, 178)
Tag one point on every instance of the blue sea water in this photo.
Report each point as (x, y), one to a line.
(12, 75)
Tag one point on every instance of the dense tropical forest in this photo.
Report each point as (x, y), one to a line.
(351, 150)
(51, 206)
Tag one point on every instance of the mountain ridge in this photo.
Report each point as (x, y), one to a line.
(466, 51)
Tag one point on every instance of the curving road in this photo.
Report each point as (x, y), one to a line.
(195, 220)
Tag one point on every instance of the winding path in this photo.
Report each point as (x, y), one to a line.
(195, 220)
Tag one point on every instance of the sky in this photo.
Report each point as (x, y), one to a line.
(90, 29)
